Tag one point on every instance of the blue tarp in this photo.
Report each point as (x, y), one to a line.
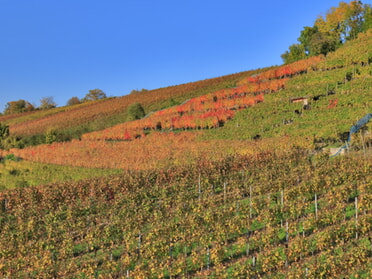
(355, 128)
(359, 124)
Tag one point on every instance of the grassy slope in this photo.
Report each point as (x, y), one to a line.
(14, 174)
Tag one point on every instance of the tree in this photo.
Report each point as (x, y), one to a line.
(134, 91)
(94, 94)
(367, 18)
(354, 17)
(73, 101)
(47, 103)
(135, 111)
(18, 107)
(296, 52)
(306, 37)
(322, 43)
(329, 32)
(343, 22)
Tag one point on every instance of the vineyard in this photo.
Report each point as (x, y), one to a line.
(273, 215)
(223, 178)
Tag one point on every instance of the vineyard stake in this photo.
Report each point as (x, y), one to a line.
(316, 206)
(250, 201)
(139, 244)
(364, 146)
(286, 232)
(199, 187)
(224, 191)
(356, 217)
(282, 199)
(208, 258)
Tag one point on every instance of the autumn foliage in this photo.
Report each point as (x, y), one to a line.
(285, 71)
(81, 117)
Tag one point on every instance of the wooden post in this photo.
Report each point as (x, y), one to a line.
(250, 201)
(286, 243)
(364, 146)
(356, 217)
(199, 187)
(139, 244)
(224, 191)
(282, 197)
(286, 232)
(208, 258)
(316, 206)
(303, 230)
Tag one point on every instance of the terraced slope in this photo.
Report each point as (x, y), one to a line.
(339, 92)
(73, 121)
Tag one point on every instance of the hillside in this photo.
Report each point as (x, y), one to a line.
(225, 178)
(73, 121)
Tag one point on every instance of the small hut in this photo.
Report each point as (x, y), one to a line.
(303, 99)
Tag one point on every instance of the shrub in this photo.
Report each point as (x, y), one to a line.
(51, 136)
(11, 157)
(135, 111)
(4, 131)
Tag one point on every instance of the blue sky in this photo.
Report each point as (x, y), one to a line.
(64, 48)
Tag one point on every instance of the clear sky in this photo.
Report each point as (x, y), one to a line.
(64, 48)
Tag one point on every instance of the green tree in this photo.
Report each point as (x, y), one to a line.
(51, 136)
(18, 107)
(306, 39)
(296, 52)
(367, 18)
(94, 94)
(135, 111)
(322, 43)
(330, 31)
(47, 103)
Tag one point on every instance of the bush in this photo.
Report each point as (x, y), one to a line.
(349, 76)
(51, 136)
(11, 142)
(11, 157)
(4, 131)
(135, 111)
